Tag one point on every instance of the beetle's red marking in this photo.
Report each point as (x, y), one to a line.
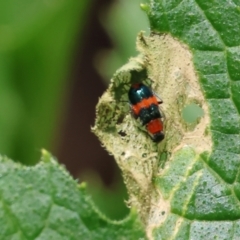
(136, 85)
(155, 126)
(145, 103)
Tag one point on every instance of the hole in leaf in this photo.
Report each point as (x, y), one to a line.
(192, 112)
(120, 119)
(122, 133)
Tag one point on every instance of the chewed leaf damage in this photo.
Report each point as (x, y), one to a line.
(169, 72)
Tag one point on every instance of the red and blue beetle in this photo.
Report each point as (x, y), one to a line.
(144, 105)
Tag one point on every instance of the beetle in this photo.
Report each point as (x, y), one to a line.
(144, 105)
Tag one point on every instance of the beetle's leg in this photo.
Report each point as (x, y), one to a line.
(160, 101)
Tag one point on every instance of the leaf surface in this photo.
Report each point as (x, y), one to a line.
(203, 190)
(44, 202)
(188, 186)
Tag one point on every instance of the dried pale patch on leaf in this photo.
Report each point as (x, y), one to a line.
(132, 148)
(175, 79)
(166, 66)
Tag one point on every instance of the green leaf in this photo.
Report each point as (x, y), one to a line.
(44, 202)
(36, 45)
(212, 32)
(188, 186)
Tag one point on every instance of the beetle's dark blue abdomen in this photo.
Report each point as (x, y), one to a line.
(147, 114)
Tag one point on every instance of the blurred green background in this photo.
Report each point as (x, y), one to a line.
(56, 59)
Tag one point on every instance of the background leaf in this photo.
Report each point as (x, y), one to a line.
(44, 202)
(37, 39)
